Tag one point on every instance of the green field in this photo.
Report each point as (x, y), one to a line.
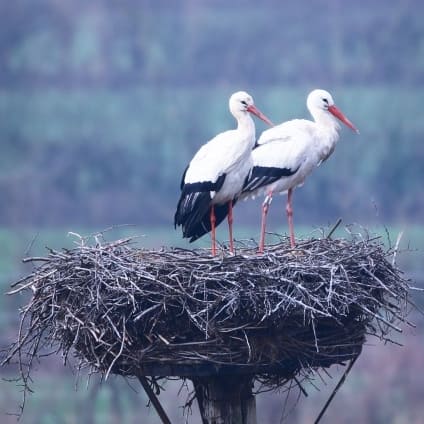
(97, 156)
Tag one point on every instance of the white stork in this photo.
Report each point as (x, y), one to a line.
(216, 174)
(287, 153)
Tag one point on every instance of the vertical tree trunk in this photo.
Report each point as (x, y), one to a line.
(226, 400)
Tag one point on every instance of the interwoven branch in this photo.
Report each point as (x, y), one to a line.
(120, 308)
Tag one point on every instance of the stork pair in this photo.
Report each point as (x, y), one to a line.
(231, 166)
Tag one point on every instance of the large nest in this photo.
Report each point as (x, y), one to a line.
(130, 311)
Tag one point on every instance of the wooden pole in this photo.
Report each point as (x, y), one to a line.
(226, 399)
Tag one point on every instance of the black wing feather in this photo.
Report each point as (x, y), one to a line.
(193, 209)
(183, 177)
(204, 225)
(260, 176)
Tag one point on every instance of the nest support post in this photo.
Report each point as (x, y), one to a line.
(225, 399)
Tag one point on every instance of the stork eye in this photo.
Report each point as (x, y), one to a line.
(243, 102)
(325, 101)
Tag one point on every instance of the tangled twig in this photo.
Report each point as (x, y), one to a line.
(278, 316)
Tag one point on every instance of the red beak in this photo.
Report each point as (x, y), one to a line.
(253, 109)
(339, 115)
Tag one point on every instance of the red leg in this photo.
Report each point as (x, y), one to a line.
(265, 207)
(230, 225)
(213, 222)
(289, 211)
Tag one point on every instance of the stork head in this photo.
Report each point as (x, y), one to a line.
(241, 103)
(321, 100)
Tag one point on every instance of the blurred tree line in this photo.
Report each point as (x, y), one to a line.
(103, 103)
(185, 43)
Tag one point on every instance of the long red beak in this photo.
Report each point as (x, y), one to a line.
(253, 109)
(339, 115)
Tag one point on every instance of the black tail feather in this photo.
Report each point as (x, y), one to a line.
(204, 225)
(193, 209)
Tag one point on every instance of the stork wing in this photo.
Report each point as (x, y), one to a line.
(279, 153)
(285, 131)
(194, 203)
(260, 176)
(204, 177)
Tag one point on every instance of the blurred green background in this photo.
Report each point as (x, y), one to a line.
(102, 104)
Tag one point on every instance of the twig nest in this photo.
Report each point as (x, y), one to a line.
(125, 310)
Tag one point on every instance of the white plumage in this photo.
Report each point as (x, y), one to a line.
(215, 176)
(287, 153)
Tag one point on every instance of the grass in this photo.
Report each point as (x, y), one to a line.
(71, 403)
(61, 397)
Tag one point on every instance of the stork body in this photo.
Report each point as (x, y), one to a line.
(215, 176)
(287, 153)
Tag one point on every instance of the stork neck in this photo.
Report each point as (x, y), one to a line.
(326, 122)
(327, 132)
(245, 123)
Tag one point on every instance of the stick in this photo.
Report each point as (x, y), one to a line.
(339, 384)
(305, 393)
(154, 399)
(395, 251)
(339, 221)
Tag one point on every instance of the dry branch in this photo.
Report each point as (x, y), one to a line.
(130, 311)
